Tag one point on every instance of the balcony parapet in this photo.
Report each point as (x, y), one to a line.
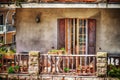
(64, 4)
(7, 28)
(2, 29)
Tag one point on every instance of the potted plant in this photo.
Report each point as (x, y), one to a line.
(0, 56)
(0, 66)
(9, 54)
(78, 69)
(16, 68)
(66, 69)
(53, 51)
(3, 50)
(25, 68)
(11, 69)
(61, 51)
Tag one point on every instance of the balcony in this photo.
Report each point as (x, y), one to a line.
(2, 29)
(72, 66)
(64, 3)
(77, 64)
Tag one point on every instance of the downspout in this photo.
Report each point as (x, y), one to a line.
(6, 21)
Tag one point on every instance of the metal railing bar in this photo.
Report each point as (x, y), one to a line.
(67, 55)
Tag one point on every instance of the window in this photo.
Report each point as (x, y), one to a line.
(1, 22)
(13, 39)
(77, 35)
(1, 19)
(1, 39)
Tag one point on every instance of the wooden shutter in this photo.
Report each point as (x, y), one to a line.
(64, 34)
(91, 36)
(61, 33)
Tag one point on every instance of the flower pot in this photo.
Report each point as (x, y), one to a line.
(9, 56)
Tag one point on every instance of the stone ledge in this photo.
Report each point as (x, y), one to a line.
(65, 5)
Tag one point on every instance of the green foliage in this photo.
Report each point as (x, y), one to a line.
(3, 50)
(11, 69)
(54, 50)
(66, 69)
(114, 72)
(16, 67)
(0, 64)
(13, 50)
(6, 50)
(0, 56)
(63, 49)
(18, 2)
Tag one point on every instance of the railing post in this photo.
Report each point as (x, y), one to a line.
(101, 64)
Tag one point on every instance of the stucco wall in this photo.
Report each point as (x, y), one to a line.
(43, 36)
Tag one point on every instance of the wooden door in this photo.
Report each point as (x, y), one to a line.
(72, 35)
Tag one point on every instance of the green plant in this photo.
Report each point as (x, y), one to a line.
(62, 49)
(0, 56)
(54, 50)
(16, 67)
(3, 50)
(11, 69)
(66, 69)
(13, 50)
(114, 71)
(0, 64)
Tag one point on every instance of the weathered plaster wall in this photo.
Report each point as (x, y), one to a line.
(43, 36)
(109, 31)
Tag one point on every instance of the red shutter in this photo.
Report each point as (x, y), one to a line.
(91, 36)
(61, 33)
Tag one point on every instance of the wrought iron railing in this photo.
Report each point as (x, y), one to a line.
(68, 64)
(53, 64)
(8, 61)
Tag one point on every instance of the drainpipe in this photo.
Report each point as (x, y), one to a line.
(6, 21)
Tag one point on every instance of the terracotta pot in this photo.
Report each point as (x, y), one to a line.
(12, 64)
(9, 56)
(78, 70)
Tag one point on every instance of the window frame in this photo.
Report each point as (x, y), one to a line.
(76, 23)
